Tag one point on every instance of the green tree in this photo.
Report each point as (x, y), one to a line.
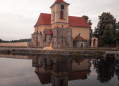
(108, 37)
(106, 28)
(104, 20)
(96, 32)
(87, 19)
(118, 25)
(117, 33)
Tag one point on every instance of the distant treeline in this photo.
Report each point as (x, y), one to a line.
(21, 40)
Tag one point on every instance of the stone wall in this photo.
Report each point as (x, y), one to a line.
(17, 44)
(77, 44)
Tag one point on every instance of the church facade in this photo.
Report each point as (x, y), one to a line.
(58, 28)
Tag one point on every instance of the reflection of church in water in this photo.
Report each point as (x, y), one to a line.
(60, 70)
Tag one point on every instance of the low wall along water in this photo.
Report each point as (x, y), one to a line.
(17, 44)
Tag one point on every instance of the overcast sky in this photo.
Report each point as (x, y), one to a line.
(17, 17)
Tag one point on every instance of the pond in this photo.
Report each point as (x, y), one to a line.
(58, 71)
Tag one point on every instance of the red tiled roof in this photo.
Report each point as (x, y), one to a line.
(61, 1)
(78, 21)
(45, 19)
(50, 32)
(79, 38)
(77, 75)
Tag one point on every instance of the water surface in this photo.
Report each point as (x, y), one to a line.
(62, 71)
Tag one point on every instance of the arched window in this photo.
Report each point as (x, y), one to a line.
(61, 14)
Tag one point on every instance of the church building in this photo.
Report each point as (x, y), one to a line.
(58, 28)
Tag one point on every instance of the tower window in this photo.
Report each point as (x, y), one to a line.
(61, 14)
(62, 6)
(62, 25)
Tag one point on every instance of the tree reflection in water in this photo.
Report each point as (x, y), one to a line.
(105, 69)
(117, 69)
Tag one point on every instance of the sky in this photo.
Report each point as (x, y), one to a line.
(18, 17)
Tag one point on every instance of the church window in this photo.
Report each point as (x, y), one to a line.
(62, 6)
(61, 14)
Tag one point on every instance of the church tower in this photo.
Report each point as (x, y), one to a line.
(59, 14)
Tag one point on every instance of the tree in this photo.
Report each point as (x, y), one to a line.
(87, 19)
(105, 69)
(118, 25)
(117, 69)
(117, 33)
(108, 37)
(106, 20)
